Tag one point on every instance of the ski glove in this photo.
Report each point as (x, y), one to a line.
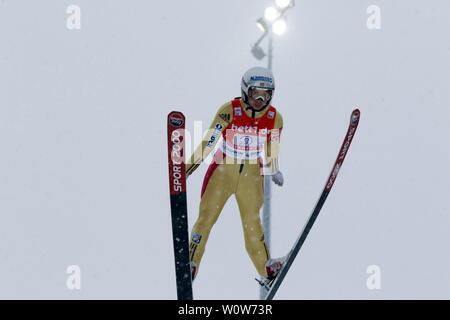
(278, 178)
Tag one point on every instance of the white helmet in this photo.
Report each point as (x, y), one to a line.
(257, 77)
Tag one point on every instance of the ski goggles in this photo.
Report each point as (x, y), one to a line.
(260, 94)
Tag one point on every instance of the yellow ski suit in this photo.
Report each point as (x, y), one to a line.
(249, 150)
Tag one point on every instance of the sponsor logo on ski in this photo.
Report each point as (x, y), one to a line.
(347, 143)
(177, 161)
(176, 121)
(177, 147)
(177, 176)
(333, 176)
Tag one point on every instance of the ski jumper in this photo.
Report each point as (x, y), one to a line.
(249, 149)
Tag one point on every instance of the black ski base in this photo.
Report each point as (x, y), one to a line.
(181, 246)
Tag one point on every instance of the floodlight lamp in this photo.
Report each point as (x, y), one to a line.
(279, 27)
(271, 14)
(261, 24)
(258, 52)
(282, 4)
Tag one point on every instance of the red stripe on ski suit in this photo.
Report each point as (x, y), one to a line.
(219, 158)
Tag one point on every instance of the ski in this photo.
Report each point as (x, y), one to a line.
(178, 205)
(354, 121)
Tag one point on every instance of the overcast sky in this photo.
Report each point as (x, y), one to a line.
(83, 159)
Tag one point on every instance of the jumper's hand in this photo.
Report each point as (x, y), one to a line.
(278, 178)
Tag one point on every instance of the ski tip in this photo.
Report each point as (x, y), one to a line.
(355, 116)
(173, 113)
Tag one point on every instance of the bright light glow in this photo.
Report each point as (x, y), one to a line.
(271, 14)
(279, 27)
(283, 3)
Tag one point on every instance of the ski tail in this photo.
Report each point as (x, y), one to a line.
(178, 203)
(354, 121)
